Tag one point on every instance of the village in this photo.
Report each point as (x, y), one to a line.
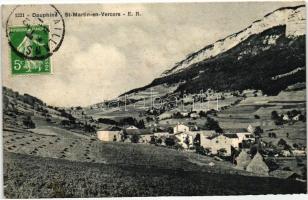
(244, 148)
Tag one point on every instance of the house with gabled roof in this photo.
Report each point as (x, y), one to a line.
(109, 134)
(180, 128)
(185, 139)
(216, 143)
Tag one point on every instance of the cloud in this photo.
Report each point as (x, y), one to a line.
(91, 76)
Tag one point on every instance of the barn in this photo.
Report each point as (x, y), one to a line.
(110, 134)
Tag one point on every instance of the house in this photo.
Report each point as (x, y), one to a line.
(233, 139)
(184, 114)
(165, 115)
(144, 134)
(286, 153)
(250, 128)
(205, 133)
(257, 165)
(296, 117)
(216, 143)
(180, 128)
(297, 152)
(243, 135)
(185, 139)
(285, 118)
(161, 134)
(130, 127)
(109, 134)
(194, 115)
(145, 138)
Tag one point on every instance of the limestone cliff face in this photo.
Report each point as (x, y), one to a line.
(293, 17)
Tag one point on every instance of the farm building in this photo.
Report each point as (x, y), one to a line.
(180, 128)
(161, 134)
(131, 127)
(184, 114)
(185, 139)
(165, 115)
(297, 152)
(144, 134)
(296, 117)
(285, 118)
(244, 136)
(194, 115)
(257, 165)
(233, 139)
(109, 134)
(216, 143)
(146, 138)
(250, 128)
(204, 133)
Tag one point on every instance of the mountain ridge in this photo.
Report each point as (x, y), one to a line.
(188, 60)
(290, 30)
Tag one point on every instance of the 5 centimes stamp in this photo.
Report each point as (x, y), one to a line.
(34, 33)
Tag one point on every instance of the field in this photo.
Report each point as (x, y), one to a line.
(67, 145)
(60, 163)
(243, 114)
(37, 177)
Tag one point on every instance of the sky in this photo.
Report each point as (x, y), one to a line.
(103, 57)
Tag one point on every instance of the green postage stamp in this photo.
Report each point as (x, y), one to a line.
(31, 44)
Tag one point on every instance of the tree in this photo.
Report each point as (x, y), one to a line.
(212, 124)
(107, 121)
(65, 123)
(152, 141)
(302, 118)
(135, 138)
(197, 140)
(284, 144)
(201, 150)
(272, 165)
(89, 128)
(177, 115)
(187, 141)
(274, 115)
(221, 152)
(170, 142)
(257, 117)
(258, 130)
(141, 124)
(202, 114)
(28, 122)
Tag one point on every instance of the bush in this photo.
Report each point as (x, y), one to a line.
(135, 138)
(107, 121)
(169, 142)
(274, 115)
(212, 124)
(28, 122)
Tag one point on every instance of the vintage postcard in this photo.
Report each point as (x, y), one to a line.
(154, 99)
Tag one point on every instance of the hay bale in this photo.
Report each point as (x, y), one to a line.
(257, 165)
(242, 160)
